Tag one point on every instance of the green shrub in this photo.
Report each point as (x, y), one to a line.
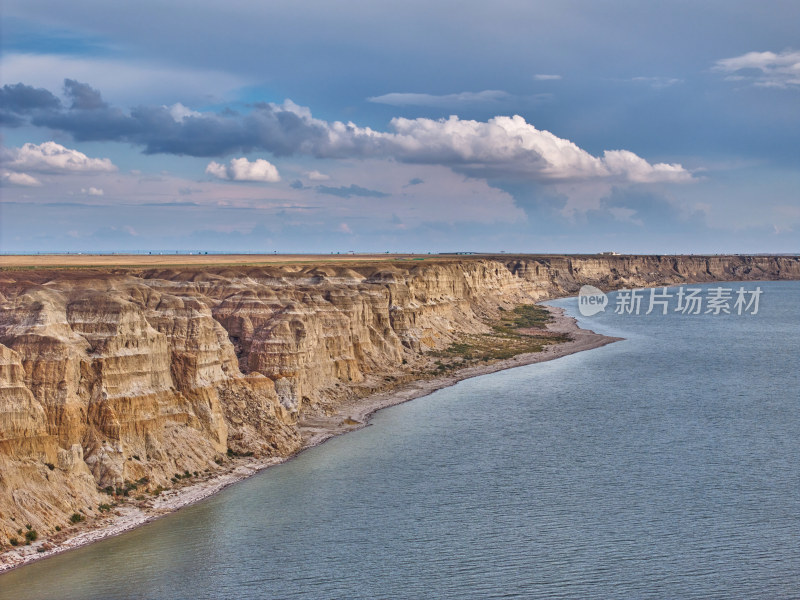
(58, 527)
(13, 541)
(31, 535)
(50, 466)
(76, 518)
(104, 507)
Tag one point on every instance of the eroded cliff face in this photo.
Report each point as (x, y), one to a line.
(116, 376)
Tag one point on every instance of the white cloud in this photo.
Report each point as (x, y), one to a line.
(447, 100)
(500, 147)
(344, 228)
(241, 169)
(506, 146)
(20, 179)
(764, 69)
(317, 176)
(92, 191)
(217, 170)
(545, 77)
(50, 157)
(636, 169)
(442, 196)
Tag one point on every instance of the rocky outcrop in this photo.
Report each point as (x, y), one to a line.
(109, 377)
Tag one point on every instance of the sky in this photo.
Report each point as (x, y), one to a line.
(564, 126)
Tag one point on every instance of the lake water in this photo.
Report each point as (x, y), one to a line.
(663, 466)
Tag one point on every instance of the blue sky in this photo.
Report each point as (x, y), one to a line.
(545, 126)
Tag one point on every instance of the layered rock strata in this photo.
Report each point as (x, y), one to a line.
(121, 376)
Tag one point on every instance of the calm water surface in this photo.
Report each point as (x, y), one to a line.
(663, 466)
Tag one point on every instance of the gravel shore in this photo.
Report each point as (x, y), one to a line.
(316, 430)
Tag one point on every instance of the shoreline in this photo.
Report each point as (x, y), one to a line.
(314, 431)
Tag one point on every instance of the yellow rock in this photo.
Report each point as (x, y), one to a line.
(107, 377)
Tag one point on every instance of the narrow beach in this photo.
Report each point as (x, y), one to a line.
(350, 417)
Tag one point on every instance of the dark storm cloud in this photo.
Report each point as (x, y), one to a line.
(19, 100)
(279, 130)
(84, 96)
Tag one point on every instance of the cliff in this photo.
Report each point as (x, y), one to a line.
(125, 378)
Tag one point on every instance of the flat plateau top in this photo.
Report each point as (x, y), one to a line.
(173, 260)
(146, 261)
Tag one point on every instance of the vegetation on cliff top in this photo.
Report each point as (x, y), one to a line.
(518, 331)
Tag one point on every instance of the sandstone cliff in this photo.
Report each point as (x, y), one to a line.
(123, 377)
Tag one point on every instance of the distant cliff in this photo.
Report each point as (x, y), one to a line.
(117, 376)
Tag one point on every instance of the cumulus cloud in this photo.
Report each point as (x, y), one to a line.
(764, 69)
(511, 146)
(50, 157)
(501, 146)
(20, 179)
(634, 168)
(92, 191)
(241, 169)
(545, 77)
(446, 100)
